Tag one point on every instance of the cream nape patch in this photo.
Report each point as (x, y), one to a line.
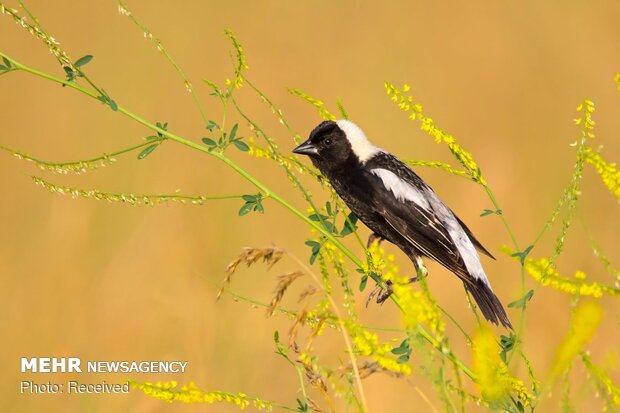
(361, 146)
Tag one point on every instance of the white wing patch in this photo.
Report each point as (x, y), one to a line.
(461, 240)
(402, 190)
(360, 144)
(430, 202)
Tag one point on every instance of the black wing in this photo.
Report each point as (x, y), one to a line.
(418, 225)
(431, 240)
(412, 222)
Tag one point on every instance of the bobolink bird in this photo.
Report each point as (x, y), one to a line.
(398, 206)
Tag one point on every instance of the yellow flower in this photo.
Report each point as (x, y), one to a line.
(189, 393)
(586, 319)
(491, 377)
(541, 271)
(546, 275)
(607, 171)
(323, 112)
(407, 104)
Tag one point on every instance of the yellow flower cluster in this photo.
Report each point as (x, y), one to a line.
(439, 165)
(121, 198)
(519, 389)
(189, 393)
(367, 344)
(584, 323)
(323, 112)
(52, 44)
(493, 378)
(542, 272)
(588, 108)
(77, 167)
(407, 104)
(288, 162)
(266, 153)
(607, 171)
(487, 364)
(418, 307)
(241, 63)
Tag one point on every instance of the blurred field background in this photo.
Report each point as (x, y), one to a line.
(109, 282)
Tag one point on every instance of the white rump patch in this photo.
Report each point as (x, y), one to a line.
(401, 189)
(461, 240)
(360, 144)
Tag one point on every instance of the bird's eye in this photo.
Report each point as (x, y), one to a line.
(328, 141)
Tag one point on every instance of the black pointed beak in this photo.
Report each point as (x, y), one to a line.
(306, 148)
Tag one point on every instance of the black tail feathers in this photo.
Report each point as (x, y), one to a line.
(488, 303)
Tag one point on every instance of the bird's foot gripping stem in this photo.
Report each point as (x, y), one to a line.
(383, 294)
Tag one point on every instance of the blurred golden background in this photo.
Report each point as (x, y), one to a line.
(110, 282)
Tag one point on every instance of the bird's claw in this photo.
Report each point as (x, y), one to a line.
(372, 238)
(384, 293)
(381, 293)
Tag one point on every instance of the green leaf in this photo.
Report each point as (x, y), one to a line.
(363, 282)
(246, 208)
(507, 343)
(147, 151)
(280, 349)
(151, 137)
(323, 219)
(233, 132)
(259, 206)
(209, 141)
(491, 211)
(242, 146)
(83, 60)
(71, 77)
(404, 350)
(400, 350)
(403, 359)
(522, 302)
(349, 225)
(519, 406)
(7, 62)
(330, 227)
(105, 98)
(328, 208)
(316, 248)
(211, 124)
(522, 255)
(3, 68)
(302, 406)
(250, 198)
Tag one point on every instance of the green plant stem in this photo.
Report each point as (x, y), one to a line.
(491, 196)
(86, 161)
(245, 174)
(515, 243)
(169, 58)
(446, 352)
